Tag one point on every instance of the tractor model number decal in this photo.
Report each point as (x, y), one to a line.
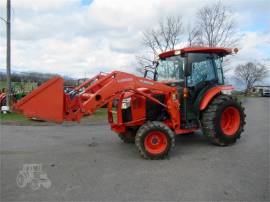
(124, 80)
(146, 82)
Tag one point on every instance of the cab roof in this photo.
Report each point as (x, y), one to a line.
(220, 51)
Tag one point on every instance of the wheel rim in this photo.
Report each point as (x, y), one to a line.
(155, 142)
(230, 121)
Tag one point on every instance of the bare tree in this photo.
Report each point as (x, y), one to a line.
(249, 74)
(162, 38)
(215, 27)
(193, 35)
(165, 36)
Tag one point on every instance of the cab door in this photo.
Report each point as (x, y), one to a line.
(202, 76)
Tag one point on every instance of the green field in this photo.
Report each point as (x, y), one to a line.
(14, 118)
(20, 86)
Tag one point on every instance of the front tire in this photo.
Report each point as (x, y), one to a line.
(223, 120)
(154, 140)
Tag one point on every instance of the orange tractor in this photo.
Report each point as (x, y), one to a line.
(182, 92)
(2, 98)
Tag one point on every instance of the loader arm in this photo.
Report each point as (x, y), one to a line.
(94, 93)
(113, 85)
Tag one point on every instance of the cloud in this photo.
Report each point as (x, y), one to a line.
(77, 39)
(253, 47)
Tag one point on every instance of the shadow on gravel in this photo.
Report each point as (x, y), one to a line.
(195, 138)
(185, 144)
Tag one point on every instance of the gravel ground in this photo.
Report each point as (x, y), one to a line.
(91, 163)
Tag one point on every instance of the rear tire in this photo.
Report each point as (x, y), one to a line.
(154, 140)
(223, 120)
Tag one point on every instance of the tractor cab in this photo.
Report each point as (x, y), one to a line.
(193, 71)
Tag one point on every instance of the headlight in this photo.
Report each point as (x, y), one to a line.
(126, 103)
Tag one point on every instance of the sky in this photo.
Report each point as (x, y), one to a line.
(79, 38)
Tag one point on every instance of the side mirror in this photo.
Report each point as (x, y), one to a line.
(152, 69)
(187, 66)
(145, 73)
(155, 63)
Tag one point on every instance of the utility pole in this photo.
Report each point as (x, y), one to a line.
(8, 97)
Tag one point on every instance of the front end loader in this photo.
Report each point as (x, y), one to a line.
(181, 93)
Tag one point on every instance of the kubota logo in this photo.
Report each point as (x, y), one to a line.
(146, 82)
(124, 80)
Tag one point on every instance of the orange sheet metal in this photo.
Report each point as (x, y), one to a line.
(45, 102)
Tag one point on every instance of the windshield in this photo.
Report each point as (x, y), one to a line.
(171, 68)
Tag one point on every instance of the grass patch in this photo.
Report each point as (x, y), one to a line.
(20, 86)
(101, 112)
(14, 118)
(9, 117)
(241, 97)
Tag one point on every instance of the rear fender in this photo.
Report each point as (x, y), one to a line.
(211, 93)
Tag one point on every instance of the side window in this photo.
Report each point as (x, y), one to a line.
(202, 69)
(218, 64)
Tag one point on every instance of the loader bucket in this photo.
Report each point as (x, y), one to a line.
(45, 102)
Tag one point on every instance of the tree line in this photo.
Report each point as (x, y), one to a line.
(36, 77)
(214, 26)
